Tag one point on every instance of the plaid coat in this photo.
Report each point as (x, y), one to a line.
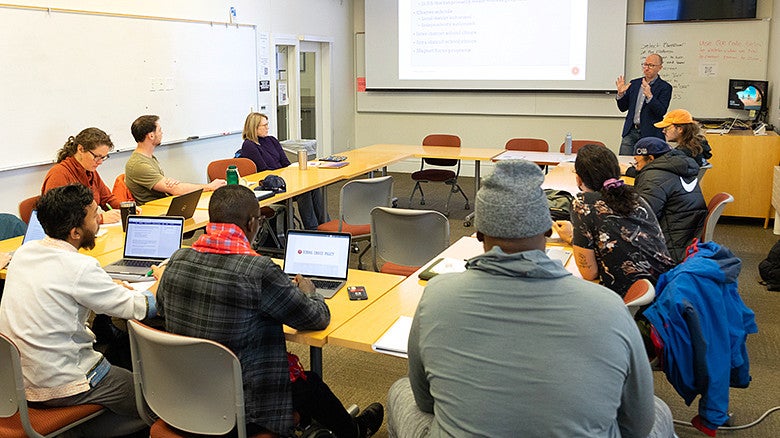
(242, 301)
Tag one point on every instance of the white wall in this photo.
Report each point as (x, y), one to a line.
(326, 19)
(494, 130)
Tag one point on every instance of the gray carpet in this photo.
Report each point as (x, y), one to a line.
(362, 378)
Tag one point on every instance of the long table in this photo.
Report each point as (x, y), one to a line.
(360, 332)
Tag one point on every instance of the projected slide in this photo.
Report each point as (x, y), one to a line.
(492, 39)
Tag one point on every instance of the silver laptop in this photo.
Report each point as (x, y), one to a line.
(320, 256)
(34, 229)
(184, 205)
(722, 130)
(149, 240)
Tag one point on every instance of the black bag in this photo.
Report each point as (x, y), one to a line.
(560, 204)
(274, 183)
(769, 269)
(270, 239)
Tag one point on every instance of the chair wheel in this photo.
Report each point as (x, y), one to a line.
(355, 248)
(467, 207)
(422, 202)
(466, 223)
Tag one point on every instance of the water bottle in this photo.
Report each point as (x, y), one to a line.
(231, 175)
(567, 147)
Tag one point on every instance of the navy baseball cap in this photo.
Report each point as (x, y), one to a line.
(651, 146)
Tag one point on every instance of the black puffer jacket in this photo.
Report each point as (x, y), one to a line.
(670, 185)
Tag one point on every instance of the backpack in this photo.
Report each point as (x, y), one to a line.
(270, 238)
(769, 268)
(560, 204)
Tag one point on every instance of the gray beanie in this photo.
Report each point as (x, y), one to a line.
(511, 203)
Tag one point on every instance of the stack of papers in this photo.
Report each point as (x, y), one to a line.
(395, 340)
(443, 265)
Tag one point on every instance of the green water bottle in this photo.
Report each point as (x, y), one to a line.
(232, 176)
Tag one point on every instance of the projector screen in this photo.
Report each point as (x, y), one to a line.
(567, 45)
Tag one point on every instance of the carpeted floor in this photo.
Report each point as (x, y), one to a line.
(362, 378)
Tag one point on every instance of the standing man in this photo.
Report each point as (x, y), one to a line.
(144, 176)
(517, 346)
(221, 289)
(46, 315)
(646, 99)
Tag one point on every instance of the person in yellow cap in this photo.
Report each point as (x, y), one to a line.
(679, 127)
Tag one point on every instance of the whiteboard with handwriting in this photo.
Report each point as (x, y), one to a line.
(700, 58)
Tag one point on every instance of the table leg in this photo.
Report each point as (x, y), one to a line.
(315, 359)
(290, 214)
(470, 217)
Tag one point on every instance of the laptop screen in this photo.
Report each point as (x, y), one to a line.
(316, 254)
(153, 236)
(34, 229)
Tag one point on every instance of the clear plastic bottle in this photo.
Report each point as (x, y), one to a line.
(231, 175)
(567, 144)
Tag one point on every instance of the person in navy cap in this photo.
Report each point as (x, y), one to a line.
(668, 180)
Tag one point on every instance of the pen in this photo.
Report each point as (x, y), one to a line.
(109, 207)
(163, 263)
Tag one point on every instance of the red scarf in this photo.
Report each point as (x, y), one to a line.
(221, 238)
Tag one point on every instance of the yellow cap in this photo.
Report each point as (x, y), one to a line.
(675, 117)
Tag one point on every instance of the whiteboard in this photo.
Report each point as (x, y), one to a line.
(700, 58)
(63, 72)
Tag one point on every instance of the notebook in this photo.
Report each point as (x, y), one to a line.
(184, 205)
(149, 240)
(320, 256)
(722, 130)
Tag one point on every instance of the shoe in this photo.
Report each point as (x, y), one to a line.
(370, 420)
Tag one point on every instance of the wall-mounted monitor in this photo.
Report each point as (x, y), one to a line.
(745, 94)
(693, 10)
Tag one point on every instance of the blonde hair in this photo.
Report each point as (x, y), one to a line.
(253, 120)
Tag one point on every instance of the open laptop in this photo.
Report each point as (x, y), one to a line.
(34, 229)
(320, 256)
(722, 130)
(184, 205)
(149, 240)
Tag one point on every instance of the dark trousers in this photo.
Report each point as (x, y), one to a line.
(314, 400)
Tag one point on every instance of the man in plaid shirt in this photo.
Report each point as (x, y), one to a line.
(220, 289)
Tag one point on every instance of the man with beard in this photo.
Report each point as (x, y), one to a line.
(144, 176)
(50, 290)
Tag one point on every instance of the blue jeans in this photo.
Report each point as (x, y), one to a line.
(628, 142)
(312, 208)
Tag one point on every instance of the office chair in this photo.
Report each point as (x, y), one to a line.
(407, 239)
(527, 144)
(11, 226)
(702, 170)
(577, 144)
(715, 208)
(446, 176)
(17, 420)
(168, 374)
(26, 207)
(641, 293)
(356, 200)
(217, 169)
(120, 190)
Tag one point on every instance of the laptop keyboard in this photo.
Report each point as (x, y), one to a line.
(134, 263)
(326, 284)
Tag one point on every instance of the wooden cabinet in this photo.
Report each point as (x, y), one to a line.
(742, 165)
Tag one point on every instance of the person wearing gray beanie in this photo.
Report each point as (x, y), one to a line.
(511, 203)
(486, 342)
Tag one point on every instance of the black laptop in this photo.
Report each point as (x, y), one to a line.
(320, 256)
(149, 240)
(184, 205)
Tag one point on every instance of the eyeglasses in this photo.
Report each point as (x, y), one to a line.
(647, 65)
(98, 158)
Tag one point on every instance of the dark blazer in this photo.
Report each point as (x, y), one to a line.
(652, 112)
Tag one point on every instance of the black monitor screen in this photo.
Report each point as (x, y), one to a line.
(690, 10)
(747, 94)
